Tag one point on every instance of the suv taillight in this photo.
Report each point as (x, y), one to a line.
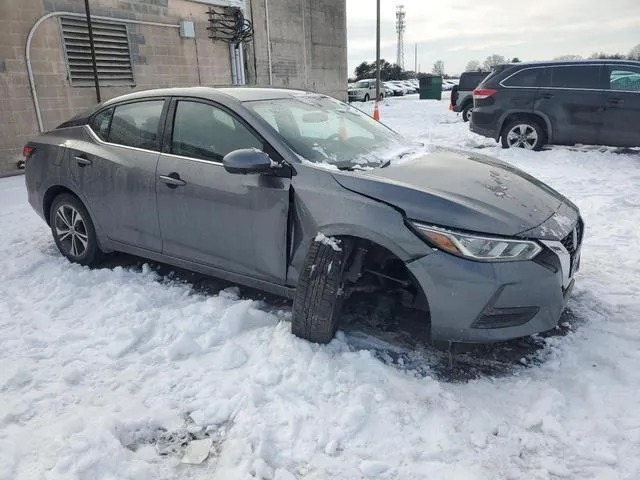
(482, 93)
(27, 151)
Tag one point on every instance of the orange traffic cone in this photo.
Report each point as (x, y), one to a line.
(376, 112)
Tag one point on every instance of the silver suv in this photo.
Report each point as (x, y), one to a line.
(302, 196)
(364, 90)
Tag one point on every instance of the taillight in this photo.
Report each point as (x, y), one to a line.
(27, 151)
(482, 93)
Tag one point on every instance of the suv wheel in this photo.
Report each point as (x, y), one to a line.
(366, 97)
(523, 134)
(319, 294)
(73, 231)
(466, 112)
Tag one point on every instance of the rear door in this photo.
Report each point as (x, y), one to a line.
(572, 98)
(117, 171)
(621, 124)
(237, 223)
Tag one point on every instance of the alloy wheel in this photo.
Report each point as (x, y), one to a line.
(522, 135)
(71, 230)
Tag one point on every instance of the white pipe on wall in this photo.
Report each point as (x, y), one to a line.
(32, 82)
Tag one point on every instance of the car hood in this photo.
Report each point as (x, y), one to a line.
(462, 190)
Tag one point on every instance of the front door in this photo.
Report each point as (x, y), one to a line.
(237, 223)
(116, 169)
(573, 100)
(621, 125)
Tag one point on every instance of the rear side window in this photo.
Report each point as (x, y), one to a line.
(524, 78)
(624, 78)
(136, 124)
(579, 76)
(100, 123)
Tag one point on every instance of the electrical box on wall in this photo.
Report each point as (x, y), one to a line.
(187, 29)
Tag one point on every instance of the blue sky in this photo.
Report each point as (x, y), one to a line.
(457, 31)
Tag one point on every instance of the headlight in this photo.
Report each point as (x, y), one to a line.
(479, 248)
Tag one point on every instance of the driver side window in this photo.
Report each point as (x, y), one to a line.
(206, 132)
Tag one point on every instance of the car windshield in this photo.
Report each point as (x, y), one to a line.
(361, 85)
(323, 130)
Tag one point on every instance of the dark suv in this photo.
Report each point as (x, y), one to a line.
(462, 97)
(593, 102)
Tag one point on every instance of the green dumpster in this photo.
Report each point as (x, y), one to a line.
(431, 87)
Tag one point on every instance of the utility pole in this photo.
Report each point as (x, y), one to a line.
(377, 50)
(400, 28)
(415, 65)
(92, 48)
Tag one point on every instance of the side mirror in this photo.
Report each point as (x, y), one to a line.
(248, 160)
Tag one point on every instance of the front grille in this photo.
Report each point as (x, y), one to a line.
(573, 240)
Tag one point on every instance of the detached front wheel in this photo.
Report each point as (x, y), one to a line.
(319, 294)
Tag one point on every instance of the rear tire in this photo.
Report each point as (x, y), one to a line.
(73, 231)
(466, 113)
(524, 133)
(319, 296)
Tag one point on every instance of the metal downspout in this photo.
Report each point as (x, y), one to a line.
(266, 15)
(32, 83)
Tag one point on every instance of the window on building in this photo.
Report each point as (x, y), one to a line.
(524, 78)
(113, 55)
(100, 123)
(136, 124)
(203, 131)
(576, 76)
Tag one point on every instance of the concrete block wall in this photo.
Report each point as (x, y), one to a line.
(308, 44)
(308, 39)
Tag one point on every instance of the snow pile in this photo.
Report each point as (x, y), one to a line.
(105, 370)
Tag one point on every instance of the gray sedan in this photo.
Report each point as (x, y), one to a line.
(306, 197)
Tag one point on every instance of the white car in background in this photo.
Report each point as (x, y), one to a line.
(396, 90)
(364, 90)
(400, 84)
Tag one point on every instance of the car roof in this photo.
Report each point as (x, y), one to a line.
(586, 61)
(242, 94)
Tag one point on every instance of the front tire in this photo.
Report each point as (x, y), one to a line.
(73, 231)
(319, 295)
(527, 134)
(366, 97)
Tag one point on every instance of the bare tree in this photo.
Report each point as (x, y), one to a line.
(569, 57)
(607, 56)
(438, 68)
(634, 54)
(493, 61)
(473, 66)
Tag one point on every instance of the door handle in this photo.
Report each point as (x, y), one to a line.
(616, 101)
(172, 180)
(546, 96)
(82, 161)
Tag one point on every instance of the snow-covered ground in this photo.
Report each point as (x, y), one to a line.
(103, 370)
